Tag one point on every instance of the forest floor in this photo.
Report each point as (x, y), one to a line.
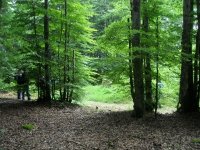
(93, 127)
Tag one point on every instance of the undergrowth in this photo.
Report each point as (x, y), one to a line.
(120, 94)
(107, 94)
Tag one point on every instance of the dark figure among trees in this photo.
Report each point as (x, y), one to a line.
(22, 85)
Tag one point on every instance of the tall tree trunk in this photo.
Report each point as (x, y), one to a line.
(130, 60)
(47, 97)
(68, 68)
(65, 56)
(137, 61)
(147, 63)
(73, 76)
(157, 65)
(197, 58)
(186, 97)
(36, 48)
(59, 58)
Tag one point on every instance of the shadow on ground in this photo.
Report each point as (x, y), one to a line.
(75, 127)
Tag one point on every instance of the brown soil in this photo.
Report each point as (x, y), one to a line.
(91, 128)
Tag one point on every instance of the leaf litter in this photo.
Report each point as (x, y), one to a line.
(85, 128)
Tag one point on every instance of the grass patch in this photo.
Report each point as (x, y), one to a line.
(196, 140)
(106, 94)
(168, 101)
(116, 93)
(28, 126)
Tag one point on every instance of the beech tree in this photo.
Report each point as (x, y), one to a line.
(137, 59)
(147, 60)
(197, 59)
(47, 94)
(187, 86)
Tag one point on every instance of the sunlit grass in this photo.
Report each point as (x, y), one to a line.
(106, 94)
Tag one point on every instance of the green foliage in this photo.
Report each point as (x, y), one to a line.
(28, 126)
(97, 37)
(114, 42)
(195, 140)
(107, 94)
(23, 29)
(7, 85)
(168, 94)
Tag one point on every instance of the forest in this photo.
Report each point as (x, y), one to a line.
(99, 74)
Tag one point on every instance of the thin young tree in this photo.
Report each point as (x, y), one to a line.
(36, 48)
(65, 55)
(157, 66)
(147, 62)
(130, 60)
(59, 55)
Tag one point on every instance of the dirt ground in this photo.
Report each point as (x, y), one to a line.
(92, 128)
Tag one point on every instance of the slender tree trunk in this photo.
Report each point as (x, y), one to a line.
(186, 97)
(59, 59)
(137, 61)
(196, 71)
(47, 54)
(130, 60)
(68, 69)
(157, 65)
(65, 57)
(73, 76)
(36, 47)
(147, 63)
(197, 58)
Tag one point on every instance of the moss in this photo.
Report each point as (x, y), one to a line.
(195, 140)
(28, 126)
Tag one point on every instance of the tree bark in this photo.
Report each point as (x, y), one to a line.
(197, 58)
(73, 76)
(36, 48)
(157, 65)
(137, 61)
(147, 63)
(186, 97)
(59, 58)
(65, 56)
(1, 4)
(47, 97)
(130, 60)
